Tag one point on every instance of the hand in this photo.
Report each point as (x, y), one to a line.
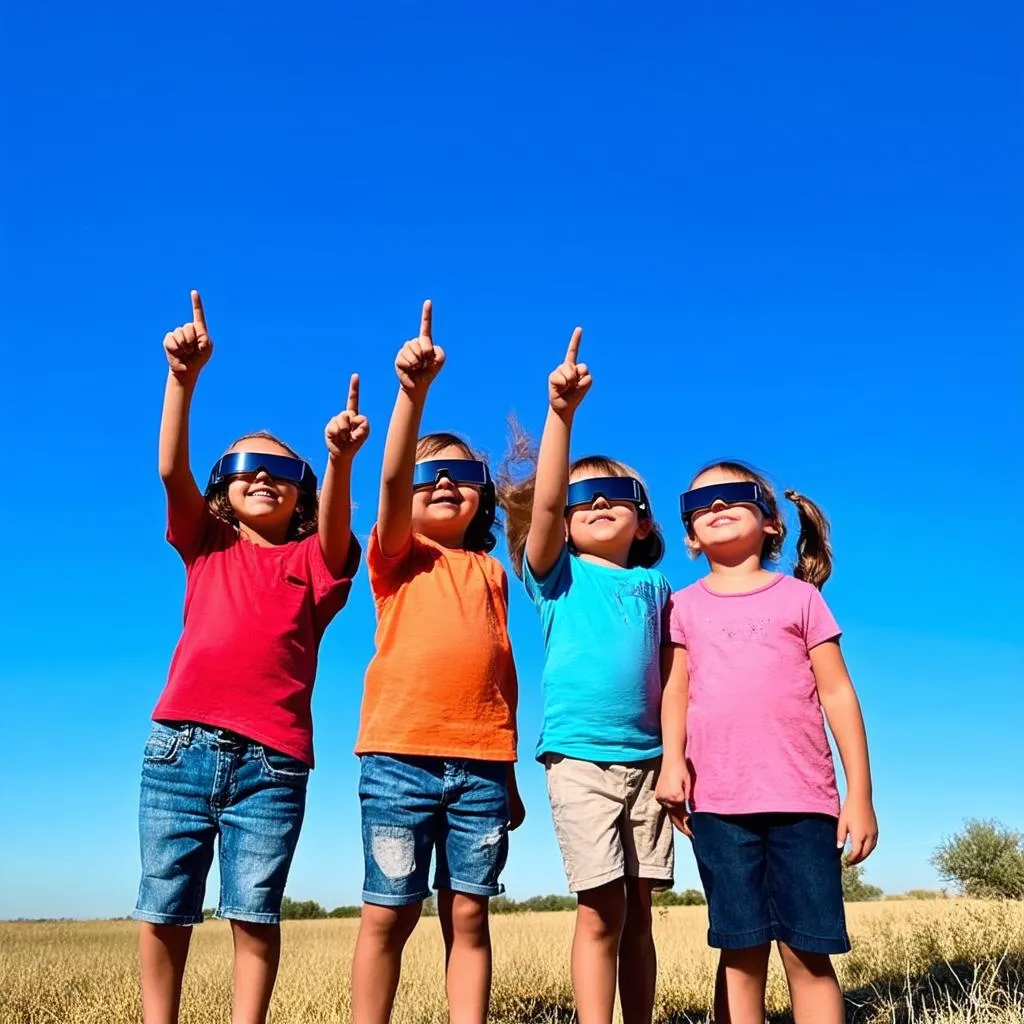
(419, 361)
(570, 381)
(516, 809)
(347, 431)
(675, 784)
(188, 347)
(858, 823)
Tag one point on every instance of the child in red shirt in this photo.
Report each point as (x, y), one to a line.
(268, 564)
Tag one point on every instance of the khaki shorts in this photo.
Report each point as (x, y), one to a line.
(608, 823)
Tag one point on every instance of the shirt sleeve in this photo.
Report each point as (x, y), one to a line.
(672, 621)
(557, 579)
(387, 572)
(819, 624)
(191, 535)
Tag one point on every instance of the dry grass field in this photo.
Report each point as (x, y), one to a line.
(940, 962)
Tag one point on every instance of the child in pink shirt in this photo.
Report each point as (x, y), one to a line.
(747, 770)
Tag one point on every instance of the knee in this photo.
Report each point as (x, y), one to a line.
(601, 915)
(636, 926)
(388, 926)
(813, 965)
(469, 915)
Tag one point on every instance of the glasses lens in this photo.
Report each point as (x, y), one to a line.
(468, 472)
(737, 492)
(611, 488)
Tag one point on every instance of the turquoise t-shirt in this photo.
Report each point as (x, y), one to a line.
(602, 669)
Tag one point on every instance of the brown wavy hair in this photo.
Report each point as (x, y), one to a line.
(515, 495)
(480, 535)
(813, 546)
(304, 520)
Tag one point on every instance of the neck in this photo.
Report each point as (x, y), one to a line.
(611, 559)
(265, 539)
(737, 577)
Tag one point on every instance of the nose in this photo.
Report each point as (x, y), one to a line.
(263, 476)
(600, 502)
(718, 504)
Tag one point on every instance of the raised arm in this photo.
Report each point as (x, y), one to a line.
(344, 434)
(188, 349)
(418, 362)
(567, 386)
(842, 709)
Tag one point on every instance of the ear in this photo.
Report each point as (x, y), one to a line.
(644, 529)
(772, 526)
(692, 546)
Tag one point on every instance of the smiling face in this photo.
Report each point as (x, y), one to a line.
(723, 529)
(444, 512)
(258, 501)
(604, 530)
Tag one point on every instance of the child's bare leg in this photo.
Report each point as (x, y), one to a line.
(813, 987)
(257, 954)
(638, 964)
(163, 949)
(467, 955)
(595, 951)
(740, 984)
(377, 963)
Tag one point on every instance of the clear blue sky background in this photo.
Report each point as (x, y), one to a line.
(792, 234)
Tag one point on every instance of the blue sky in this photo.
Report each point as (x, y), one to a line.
(792, 234)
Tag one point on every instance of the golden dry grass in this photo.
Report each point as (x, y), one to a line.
(944, 962)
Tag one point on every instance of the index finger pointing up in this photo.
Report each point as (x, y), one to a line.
(426, 318)
(198, 316)
(353, 393)
(574, 346)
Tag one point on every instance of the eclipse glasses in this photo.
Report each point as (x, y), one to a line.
(277, 467)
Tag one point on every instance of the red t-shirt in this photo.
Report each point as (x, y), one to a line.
(254, 618)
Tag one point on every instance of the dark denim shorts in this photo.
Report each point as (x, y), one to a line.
(202, 785)
(413, 807)
(771, 877)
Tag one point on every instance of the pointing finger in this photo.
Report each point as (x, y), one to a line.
(426, 319)
(198, 316)
(574, 346)
(353, 394)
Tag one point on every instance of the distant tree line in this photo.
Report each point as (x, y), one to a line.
(985, 861)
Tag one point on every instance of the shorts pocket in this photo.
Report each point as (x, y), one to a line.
(163, 745)
(283, 767)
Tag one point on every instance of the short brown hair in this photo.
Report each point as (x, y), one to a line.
(480, 532)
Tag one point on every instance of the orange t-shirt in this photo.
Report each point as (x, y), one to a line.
(443, 681)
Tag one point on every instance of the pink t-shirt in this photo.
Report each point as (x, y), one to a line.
(755, 732)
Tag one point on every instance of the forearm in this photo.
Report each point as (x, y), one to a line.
(675, 698)
(335, 520)
(673, 725)
(174, 453)
(842, 709)
(394, 517)
(547, 522)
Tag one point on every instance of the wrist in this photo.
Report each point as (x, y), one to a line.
(416, 396)
(186, 380)
(341, 460)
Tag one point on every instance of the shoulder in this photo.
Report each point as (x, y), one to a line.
(799, 592)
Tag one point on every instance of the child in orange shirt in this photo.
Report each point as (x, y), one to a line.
(437, 738)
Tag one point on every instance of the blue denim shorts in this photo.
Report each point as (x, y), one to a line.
(771, 877)
(202, 787)
(413, 807)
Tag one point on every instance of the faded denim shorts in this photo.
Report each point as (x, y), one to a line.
(414, 807)
(203, 788)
